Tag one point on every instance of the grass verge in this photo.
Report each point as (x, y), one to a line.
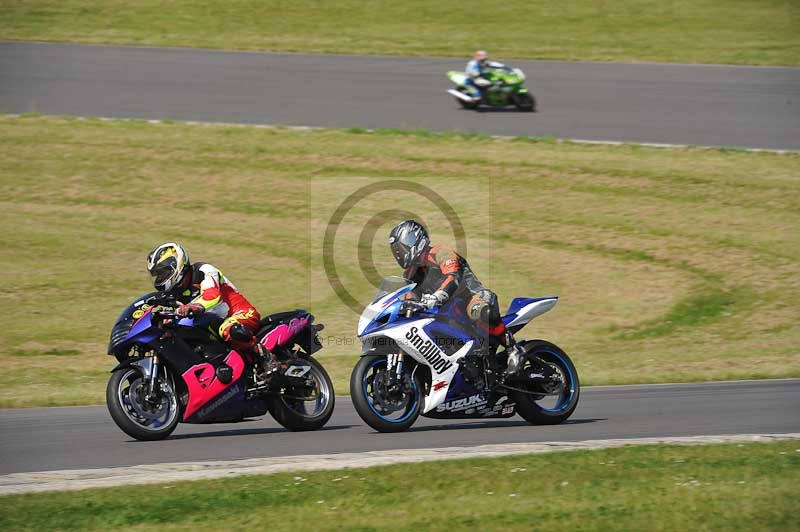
(672, 264)
(762, 32)
(717, 487)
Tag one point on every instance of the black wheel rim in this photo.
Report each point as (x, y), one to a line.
(391, 409)
(561, 395)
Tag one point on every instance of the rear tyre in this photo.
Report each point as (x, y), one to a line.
(383, 409)
(302, 408)
(141, 417)
(558, 405)
(525, 102)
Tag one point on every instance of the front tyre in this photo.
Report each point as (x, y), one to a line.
(525, 101)
(308, 407)
(559, 399)
(385, 406)
(139, 415)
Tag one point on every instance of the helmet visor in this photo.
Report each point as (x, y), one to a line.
(164, 270)
(403, 248)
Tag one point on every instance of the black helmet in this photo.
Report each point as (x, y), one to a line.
(408, 240)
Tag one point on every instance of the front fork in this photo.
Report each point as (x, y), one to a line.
(394, 372)
(394, 366)
(152, 382)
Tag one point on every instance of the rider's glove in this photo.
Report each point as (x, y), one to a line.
(435, 299)
(189, 310)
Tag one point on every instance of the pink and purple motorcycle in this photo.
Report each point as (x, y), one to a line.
(174, 369)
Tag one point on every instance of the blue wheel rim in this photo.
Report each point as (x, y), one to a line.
(563, 405)
(367, 396)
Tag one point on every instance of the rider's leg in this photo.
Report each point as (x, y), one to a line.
(484, 309)
(238, 331)
(475, 91)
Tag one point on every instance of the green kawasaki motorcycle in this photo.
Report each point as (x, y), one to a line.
(501, 86)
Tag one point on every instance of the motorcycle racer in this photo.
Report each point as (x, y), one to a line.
(202, 288)
(441, 274)
(475, 71)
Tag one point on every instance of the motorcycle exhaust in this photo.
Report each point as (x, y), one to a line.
(461, 95)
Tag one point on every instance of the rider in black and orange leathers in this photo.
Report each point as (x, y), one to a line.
(441, 274)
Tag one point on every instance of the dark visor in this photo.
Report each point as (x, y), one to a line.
(163, 271)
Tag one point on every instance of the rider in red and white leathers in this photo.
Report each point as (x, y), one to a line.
(201, 288)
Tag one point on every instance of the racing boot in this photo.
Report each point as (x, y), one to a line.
(265, 360)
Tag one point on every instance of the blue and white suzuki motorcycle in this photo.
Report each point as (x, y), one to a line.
(436, 363)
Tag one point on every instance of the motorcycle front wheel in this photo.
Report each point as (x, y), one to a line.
(301, 408)
(525, 102)
(143, 417)
(385, 406)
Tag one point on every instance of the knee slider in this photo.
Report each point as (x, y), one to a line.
(491, 316)
(240, 333)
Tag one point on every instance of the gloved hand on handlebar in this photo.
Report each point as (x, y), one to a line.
(435, 299)
(189, 310)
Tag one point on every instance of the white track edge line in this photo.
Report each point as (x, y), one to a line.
(658, 145)
(68, 480)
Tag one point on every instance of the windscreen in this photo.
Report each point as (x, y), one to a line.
(390, 284)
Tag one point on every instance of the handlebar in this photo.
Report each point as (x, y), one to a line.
(168, 315)
(410, 306)
(168, 311)
(164, 311)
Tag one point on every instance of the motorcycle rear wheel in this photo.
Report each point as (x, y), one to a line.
(533, 407)
(300, 409)
(138, 417)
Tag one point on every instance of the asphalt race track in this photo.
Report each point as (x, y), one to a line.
(676, 104)
(752, 107)
(48, 439)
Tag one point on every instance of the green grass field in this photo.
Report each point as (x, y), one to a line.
(671, 264)
(762, 32)
(741, 487)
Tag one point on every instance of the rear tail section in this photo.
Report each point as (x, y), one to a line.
(459, 78)
(522, 310)
(286, 329)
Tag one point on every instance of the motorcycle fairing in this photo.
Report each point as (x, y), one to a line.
(523, 309)
(472, 404)
(382, 310)
(464, 400)
(134, 325)
(204, 386)
(133, 321)
(413, 338)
